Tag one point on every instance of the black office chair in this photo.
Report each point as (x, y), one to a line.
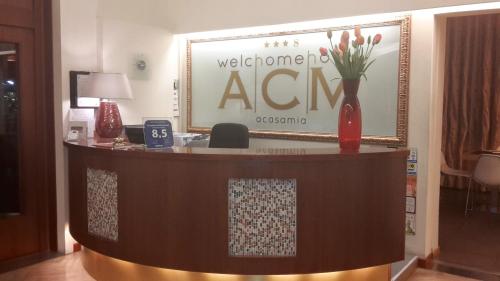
(229, 135)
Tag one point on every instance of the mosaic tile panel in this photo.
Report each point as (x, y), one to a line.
(102, 203)
(262, 217)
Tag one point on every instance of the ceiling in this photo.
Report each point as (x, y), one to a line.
(183, 16)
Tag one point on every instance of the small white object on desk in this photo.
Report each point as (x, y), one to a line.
(77, 131)
(190, 139)
(83, 115)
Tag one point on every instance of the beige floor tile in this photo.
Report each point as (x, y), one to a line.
(429, 275)
(65, 268)
(69, 268)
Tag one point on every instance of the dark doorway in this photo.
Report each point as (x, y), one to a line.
(469, 222)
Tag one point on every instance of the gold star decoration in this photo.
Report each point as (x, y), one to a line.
(285, 43)
(276, 44)
(266, 44)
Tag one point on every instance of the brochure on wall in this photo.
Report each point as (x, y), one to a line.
(175, 104)
(411, 192)
(175, 99)
(411, 224)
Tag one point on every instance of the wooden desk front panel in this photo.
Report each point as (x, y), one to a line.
(173, 209)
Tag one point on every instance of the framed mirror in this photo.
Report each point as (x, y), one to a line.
(77, 84)
(280, 86)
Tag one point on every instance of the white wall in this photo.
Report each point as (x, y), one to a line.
(74, 29)
(145, 12)
(435, 132)
(122, 43)
(421, 65)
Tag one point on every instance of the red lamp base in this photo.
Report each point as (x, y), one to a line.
(108, 123)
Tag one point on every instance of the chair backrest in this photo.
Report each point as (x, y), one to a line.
(229, 135)
(487, 170)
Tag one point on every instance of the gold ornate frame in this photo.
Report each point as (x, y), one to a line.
(401, 137)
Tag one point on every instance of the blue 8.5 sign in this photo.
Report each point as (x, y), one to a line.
(158, 134)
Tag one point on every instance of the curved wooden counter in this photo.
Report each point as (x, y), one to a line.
(173, 206)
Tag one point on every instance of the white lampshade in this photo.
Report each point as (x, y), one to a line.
(108, 86)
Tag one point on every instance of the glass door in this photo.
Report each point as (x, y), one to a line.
(9, 106)
(22, 212)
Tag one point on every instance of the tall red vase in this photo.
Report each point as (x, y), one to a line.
(350, 117)
(108, 123)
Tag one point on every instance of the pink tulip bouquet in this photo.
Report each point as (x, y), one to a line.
(352, 60)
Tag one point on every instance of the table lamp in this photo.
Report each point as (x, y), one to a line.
(108, 123)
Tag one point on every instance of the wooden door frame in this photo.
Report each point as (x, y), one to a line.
(44, 73)
(42, 27)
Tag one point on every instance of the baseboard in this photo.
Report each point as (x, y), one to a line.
(16, 263)
(465, 271)
(428, 261)
(405, 273)
(77, 247)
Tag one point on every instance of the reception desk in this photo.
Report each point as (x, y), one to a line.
(242, 212)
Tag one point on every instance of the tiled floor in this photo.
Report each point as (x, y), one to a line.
(69, 268)
(472, 241)
(65, 268)
(429, 275)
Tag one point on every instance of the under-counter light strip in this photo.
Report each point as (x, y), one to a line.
(103, 267)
